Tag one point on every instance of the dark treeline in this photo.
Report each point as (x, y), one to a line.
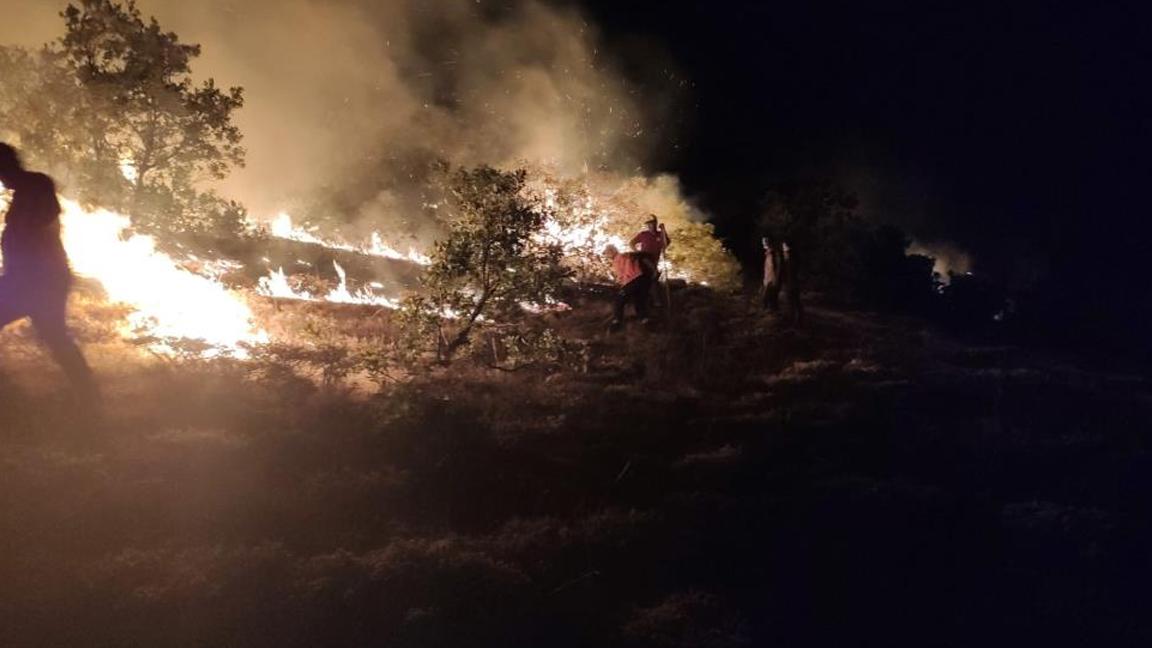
(852, 260)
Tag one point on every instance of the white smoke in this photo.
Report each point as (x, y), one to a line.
(340, 91)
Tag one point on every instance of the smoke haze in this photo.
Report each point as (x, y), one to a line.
(346, 97)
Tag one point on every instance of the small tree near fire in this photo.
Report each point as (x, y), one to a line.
(491, 263)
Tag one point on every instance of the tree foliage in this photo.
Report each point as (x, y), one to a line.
(490, 264)
(111, 107)
(842, 254)
(47, 112)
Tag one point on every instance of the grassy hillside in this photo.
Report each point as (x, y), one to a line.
(716, 480)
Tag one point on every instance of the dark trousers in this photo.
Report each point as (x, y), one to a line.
(46, 304)
(770, 296)
(795, 307)
(636, 292)
(652, 270)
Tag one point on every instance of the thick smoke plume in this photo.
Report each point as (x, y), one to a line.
(354, 106)
(346, 98)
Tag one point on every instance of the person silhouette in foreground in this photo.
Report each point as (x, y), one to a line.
(36, 278)
(790, 283)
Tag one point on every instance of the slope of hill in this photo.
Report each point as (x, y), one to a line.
(715, 480)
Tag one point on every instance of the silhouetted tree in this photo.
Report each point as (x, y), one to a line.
(892, 278)
(821, 223)
(52, 118)
(112, 105)
(973, 304)
(843, 255)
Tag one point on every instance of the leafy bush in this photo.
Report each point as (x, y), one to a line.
(489, 265)
(511, 348)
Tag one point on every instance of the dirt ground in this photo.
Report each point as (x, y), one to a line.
(716, 479)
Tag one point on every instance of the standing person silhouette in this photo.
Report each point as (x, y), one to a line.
(790, 283)
(651, 242)
(36, 277)
(773, 275)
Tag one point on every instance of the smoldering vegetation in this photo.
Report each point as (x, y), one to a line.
(717, 480)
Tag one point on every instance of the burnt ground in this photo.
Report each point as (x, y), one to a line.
(717, 480)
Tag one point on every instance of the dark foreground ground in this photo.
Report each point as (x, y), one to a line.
(720, 481)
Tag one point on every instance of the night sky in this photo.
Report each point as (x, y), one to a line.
(1016, 130)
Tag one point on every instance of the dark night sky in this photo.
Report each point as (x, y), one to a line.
(1009, 128)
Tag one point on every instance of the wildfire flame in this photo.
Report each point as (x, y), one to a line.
(377, 247)
(591, 236)
(277, 285)
(283, 227)
(584, 230)
(169, 301)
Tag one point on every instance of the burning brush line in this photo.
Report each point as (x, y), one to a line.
(277, 286)
(282, 227)
(171, 301)
(187, 299)
(168, 301)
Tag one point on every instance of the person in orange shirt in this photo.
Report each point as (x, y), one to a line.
(635, 281)
(651, 242)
